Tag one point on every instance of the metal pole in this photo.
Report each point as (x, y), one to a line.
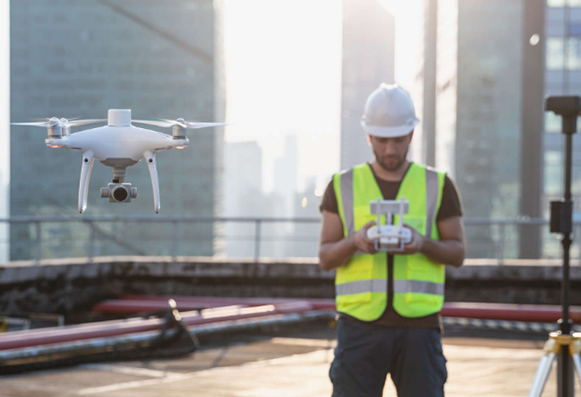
(502, 236)
(531, 147)
(38, 241)
(257, 239)
(565, 384)
(174, 243)
(91, 253)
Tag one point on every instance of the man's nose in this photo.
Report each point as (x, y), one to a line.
(390, 147)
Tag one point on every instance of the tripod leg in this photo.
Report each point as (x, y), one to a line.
(577, 361)
(542, 374)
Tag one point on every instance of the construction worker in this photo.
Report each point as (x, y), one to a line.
(388, 305)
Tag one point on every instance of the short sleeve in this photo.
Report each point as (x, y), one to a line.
(329, 202)
(451, 201)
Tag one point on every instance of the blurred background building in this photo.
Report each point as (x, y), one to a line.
(562, 76)
(478, 103)
(79, 59)
(367, 61)
(477, 70)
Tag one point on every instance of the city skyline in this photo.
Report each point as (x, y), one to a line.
(118, 57)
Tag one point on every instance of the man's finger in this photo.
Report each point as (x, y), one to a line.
(369, 225)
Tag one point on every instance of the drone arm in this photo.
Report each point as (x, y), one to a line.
(86, 168)
(151, 165)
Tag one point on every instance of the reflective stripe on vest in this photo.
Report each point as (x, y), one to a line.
(361, 284)
(358, 287)
(399, 287)
(419, 287)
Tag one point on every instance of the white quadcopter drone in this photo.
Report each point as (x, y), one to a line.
(118, 145)
(389, 238)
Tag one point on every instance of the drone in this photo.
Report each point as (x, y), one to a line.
(118, 145)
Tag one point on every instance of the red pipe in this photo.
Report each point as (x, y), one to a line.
(21, 339)
(508, 312)
(318, 304)
(140, 306)
(491, 311)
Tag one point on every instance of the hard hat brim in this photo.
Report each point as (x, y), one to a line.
(389, 132)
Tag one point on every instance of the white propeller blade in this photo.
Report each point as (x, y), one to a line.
(62, 122)
(163, 124)
(196, 126)
(83, 122)
(34, 124)
(170, 123)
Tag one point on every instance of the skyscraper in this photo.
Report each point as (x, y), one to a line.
(562, 76)
(81, 58)
(478, 99)
(368, 60)
(243, 195)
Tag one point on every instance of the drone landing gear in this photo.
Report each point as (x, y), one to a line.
(86, 168)
(151, 165)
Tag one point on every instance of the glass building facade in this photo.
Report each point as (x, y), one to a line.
(81, 58)
(368, 60)
(562, 77)
(477, 117)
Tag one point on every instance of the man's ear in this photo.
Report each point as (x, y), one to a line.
(412, 135)
(368, 139)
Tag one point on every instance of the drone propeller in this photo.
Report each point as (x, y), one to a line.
(74, 123)
(48, 123)
(58, 128)
(164, 123)
(62, 122)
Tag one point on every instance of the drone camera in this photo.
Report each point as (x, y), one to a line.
(119, 192)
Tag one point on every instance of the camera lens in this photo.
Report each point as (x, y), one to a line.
(120, 194)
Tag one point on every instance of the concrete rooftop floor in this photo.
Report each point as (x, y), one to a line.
(286, 365)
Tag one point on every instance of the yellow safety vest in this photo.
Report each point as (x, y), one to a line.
(418, 282)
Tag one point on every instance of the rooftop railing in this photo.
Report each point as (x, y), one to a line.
(43, 237)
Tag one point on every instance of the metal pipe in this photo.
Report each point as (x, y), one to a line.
(45, 352)
(490, 311)
(194, 219)
(257, 234)
(216, 300)
(19, 339)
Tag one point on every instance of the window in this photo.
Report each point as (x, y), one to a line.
(574, 55)
(554, 53)
(562, 3)
(552, 122)
(553, 172)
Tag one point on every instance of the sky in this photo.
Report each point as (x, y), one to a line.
(283, 76)
(283, 70)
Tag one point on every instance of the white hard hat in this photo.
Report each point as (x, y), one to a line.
(389, 112)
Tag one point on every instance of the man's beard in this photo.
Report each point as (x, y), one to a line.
(391, 163)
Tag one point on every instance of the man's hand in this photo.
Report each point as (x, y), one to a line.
(362, 242)
(449, 250)
(416, 245)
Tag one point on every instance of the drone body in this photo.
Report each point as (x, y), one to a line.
(118, 145)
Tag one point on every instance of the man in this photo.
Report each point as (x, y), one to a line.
(388, 304)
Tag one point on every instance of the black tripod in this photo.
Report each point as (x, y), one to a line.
(563, 344)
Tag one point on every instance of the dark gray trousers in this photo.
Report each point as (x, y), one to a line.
(366, 353)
